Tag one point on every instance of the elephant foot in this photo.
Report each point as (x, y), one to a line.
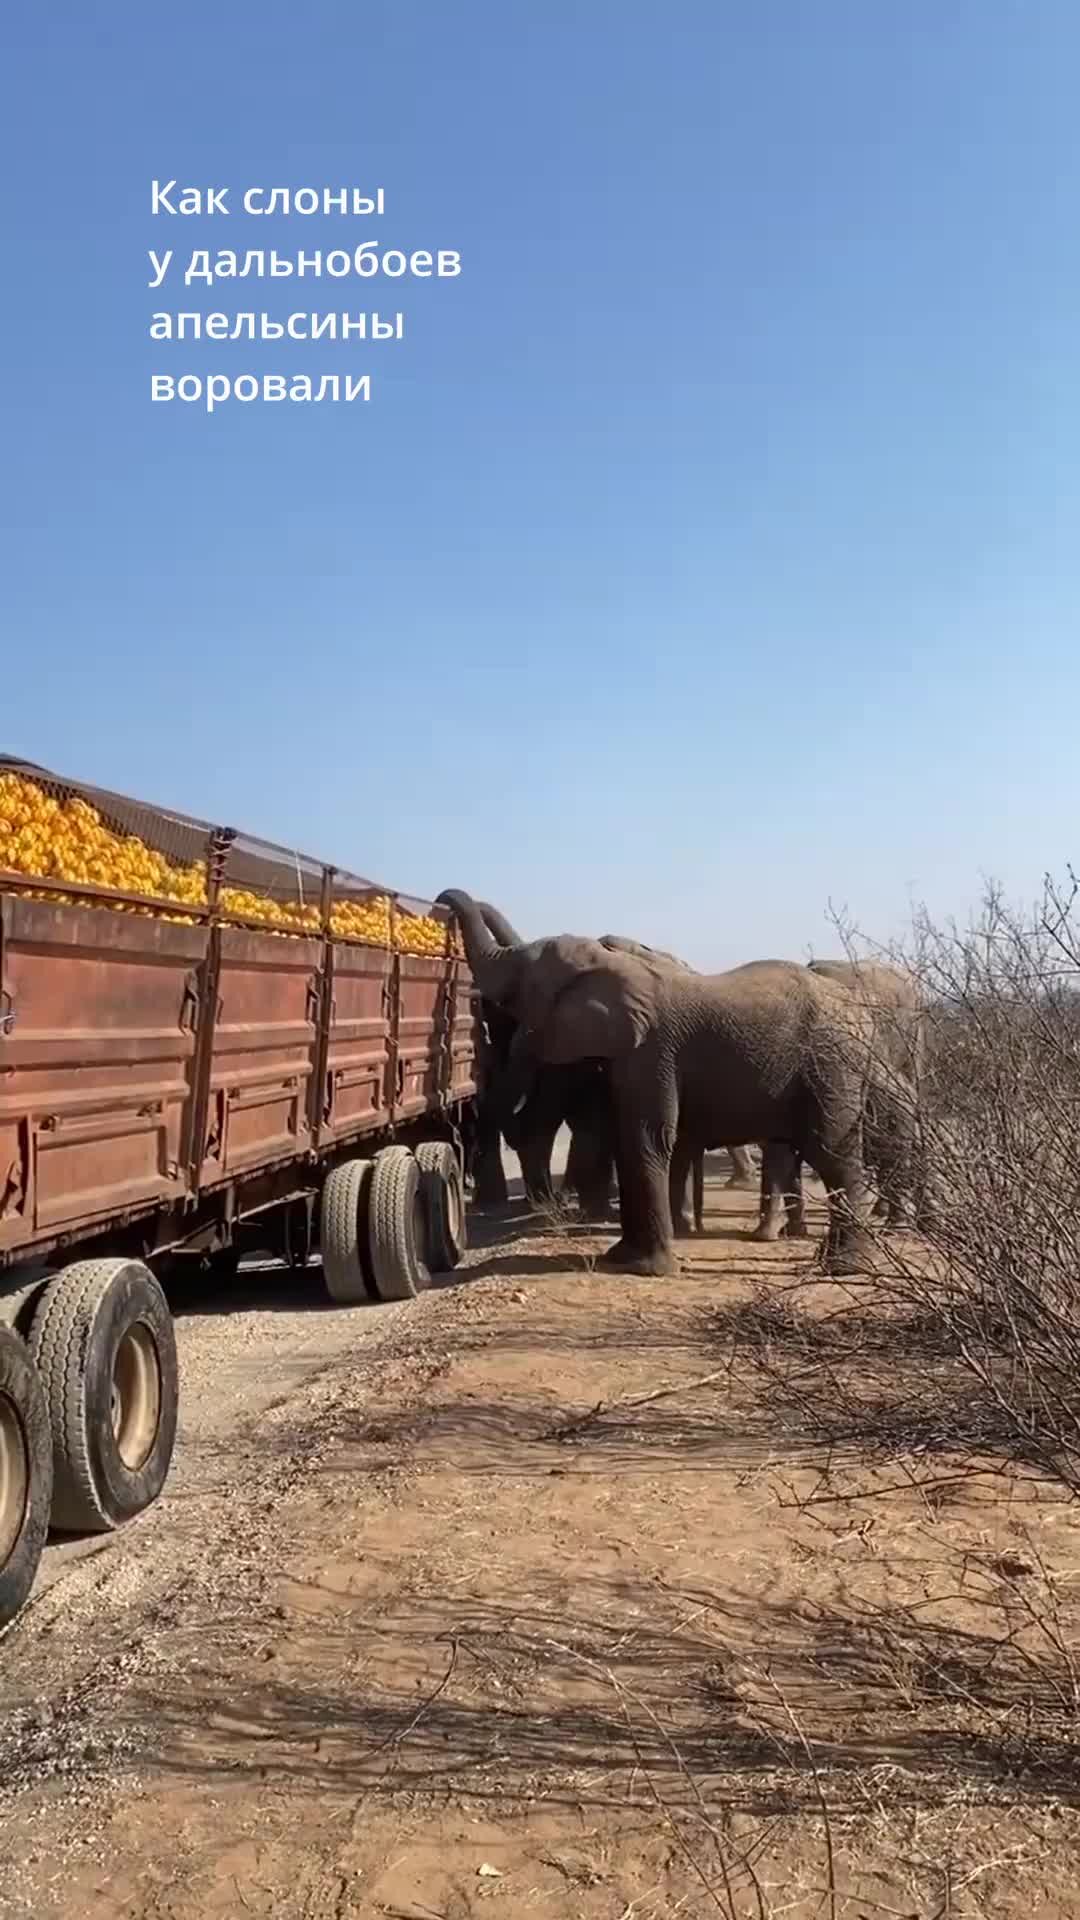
(848, 1252)
(680, 1227)
(593, 1207)
(660, 1263)
(491, 1206)
(488, 1197)
(797, 1230)
(766, 1231)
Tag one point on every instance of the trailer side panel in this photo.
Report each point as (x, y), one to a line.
(96, 1050)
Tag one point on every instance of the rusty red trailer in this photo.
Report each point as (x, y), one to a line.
(182, 1085)
(161, 1081)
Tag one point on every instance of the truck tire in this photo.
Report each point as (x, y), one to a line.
(443, 1191)
(343, 1232)
(103, 1341)
(26, 1474)
(396, 1227)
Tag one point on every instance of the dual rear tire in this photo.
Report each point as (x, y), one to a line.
(26, 1474)
(88, 1410)
(387, 1224)
(103, 1343)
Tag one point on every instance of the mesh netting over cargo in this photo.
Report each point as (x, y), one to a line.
(124, 854)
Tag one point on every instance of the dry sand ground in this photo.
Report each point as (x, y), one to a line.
(559, 1595)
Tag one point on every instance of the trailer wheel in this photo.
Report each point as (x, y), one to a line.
(397, 1228)
(343, 1232)
(26, 1474)
(443, 1191)
(104, 1345)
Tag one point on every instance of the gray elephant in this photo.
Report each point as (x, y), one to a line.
(526, 1108)
(555, 1096)
(769, 1051)
(893, 1002)
(742, 1166)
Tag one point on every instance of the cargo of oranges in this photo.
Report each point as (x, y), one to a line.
(66, 840)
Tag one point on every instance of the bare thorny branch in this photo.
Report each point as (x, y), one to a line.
(996, 1112)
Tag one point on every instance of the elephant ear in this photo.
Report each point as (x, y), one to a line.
(601, 1014)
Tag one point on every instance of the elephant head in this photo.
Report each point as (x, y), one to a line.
(573, 998)
(618, 943)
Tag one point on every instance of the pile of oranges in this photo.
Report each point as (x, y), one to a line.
(67, 840)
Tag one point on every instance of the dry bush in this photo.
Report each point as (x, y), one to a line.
(995, 1114)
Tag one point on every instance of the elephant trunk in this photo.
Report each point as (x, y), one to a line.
(499, 925)
(514, 1085)
(493, 965)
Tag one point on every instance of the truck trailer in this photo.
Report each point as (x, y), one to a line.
(208, 1044)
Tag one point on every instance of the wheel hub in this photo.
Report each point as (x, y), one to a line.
(14, 1477)
(136, 1396)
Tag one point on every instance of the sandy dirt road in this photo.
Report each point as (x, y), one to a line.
(557, 1594)
(246, 1351)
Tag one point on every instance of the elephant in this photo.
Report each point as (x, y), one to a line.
(582, 1099)
(762, 1052)
(556, 1095)
(894, 999)
(742, 1166)
(894, 1002)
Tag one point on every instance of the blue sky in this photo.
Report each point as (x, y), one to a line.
(708, 551)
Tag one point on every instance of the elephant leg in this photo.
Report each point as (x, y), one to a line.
(682, 1160)
(595, 1194)
(534, 1154)
(781, 1208)
(742, 1169)
(647, 1119)
(697, 1170)
(788, 1170)
(591, 1161)
(575, 1176)
(596, 1197)
(930, 1196)
(589, 1167)
(489, 1174)
(891, 1148)
(835, 1151)
(795, 1227)
(531, 1131)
